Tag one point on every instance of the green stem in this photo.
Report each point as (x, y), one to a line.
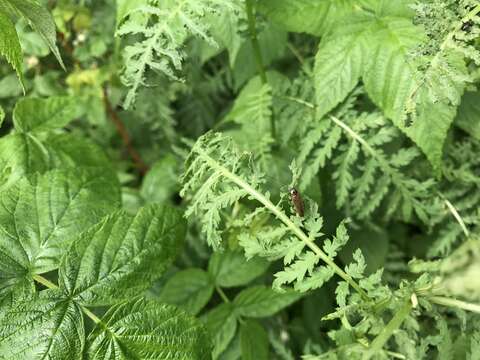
(40, 279)
(252, 29)
(257, 52)
(91, 315)
(222, 294)
(445, 301)
(378, 343)
(286, 220)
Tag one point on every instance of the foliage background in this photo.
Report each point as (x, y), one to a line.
(148, 112)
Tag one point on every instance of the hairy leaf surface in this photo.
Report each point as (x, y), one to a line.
(121, 256)
(45, 326)
(41, 215)
(145, 329)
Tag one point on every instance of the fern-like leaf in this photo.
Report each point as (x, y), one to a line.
(163, 29)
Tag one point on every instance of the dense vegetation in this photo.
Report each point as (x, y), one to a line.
(148, 152)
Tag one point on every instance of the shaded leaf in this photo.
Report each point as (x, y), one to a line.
(254, 341)
(221, 324)
(230, 268)
(190, 289)
(260, 301)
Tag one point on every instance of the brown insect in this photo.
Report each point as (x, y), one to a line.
(297, 202)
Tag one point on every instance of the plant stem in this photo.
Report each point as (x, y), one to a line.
(222, 294)
(445, 301)
(257, 52)
(122, 131)
(40, 279)
(397, 320)
(91, 315)
(252, 29)
(286, 220)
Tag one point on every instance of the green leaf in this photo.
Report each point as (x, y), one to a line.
(189, 289)
(10, 46)
(41, 215)
(2, 116)
(45, 326)
(260, 301)
(41, 20)
(339, 63)
(230, 268)
(221, 323)
(254, 341)
(392, 82)
(161, 181)
(310, 16)
(122, 255)
(26, 153)
(37, 115)
(373, 243)
(468, 115)
(272, 41)
(145, 329)
(125, 7)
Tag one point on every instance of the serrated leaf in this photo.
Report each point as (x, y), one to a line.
(254, 341)
(41, 215)
(25, 154)
(10, 46)
(339, 63)
(357, 267)
(45, 326)
(310, 16)
(145, 329)
(37, 115)
(42, 22)
(221, 323)
(122, 255)
(230, 268)
(190, 289)
(260, 301)
(391, 80)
